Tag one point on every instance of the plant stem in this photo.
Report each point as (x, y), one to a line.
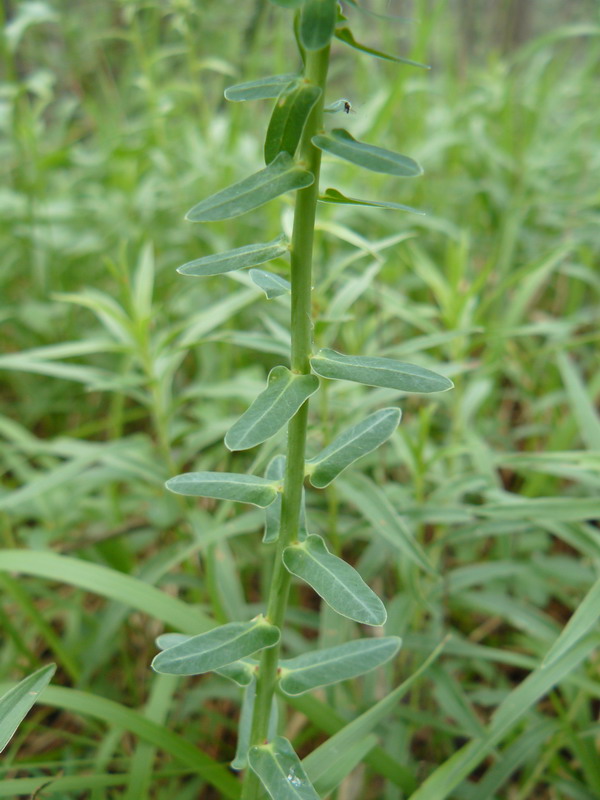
(317, 63)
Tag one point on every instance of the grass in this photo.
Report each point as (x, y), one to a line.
(116, 373)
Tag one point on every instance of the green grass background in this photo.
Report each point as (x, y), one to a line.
(117, 373)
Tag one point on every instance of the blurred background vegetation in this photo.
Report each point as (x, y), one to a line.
(116, 372)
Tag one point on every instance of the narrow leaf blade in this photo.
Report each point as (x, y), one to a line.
(272, 409)
(317, 23)
(288, 119)
(351, 445)
(345, 35)
(217, 648)
(375, 371)
(261, 89)
(334, 580)
(281, 176)
(15, 704)
(280, 771)
(324, 667)
(225, 486)
(271, 284)
(248, 256)
(336, 197)
(343, 145)
(583, 620)
(373, 504)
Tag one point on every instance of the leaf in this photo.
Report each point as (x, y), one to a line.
(225, 486)
(582, 621)
(280, 771)
(241, 672)
(15, 704)
(324, 667)
(563, 509)
(334, 196)
(289, 116)
(334, 580)
(272, 409)
(281, 176)
(342, 761)
(240, 258)
(288, 3)
(370, 13)
(100, 580)
(349, 446)
(345, 35)
(317, 23)
(116, 715)
(373, 504)
(245, 726)
(341, 144)
(445, 778)
(375, 371)
(217, 648)
(588, 420)
(262, 89)
(271, 284)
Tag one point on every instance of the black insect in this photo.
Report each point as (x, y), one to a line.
(347, 107)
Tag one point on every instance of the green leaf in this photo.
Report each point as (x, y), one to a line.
(349, 446)
(272, 409)
(341, 144)
(334, 196)
(271, 284)
(217, 648)
(288, 3)
(370, 13)
(582, 621)
(240, 258)
(281, 176)
(262, 89)
(225, 486)
(15, 704)
(317, 23)
(345, 35)
(276, 471)
(289, 116)
(280, 771)
(445, 778)
(245, 726)
(375, 371)
(240, 672)
(334, 580)
(373, 504)
(341, 761)
(324, 667)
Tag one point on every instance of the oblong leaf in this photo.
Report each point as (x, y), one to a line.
(352, 444)
(324, 667)
(317, 23)
(289, 116)
(241, 672)
(376, 371)
(261, 89)
(248, 256)
(280, 771)
(334, 580)
(334, 196)
(281, 176)
(225, 486)
(15, 704)
(271, 284)
(345, 35)
(276, 471)
(272, 409)
(240, 760)
(343, 145)
(217, 648)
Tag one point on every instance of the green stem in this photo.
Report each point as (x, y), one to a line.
(317, 63)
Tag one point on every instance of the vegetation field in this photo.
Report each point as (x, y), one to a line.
(117, 373)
